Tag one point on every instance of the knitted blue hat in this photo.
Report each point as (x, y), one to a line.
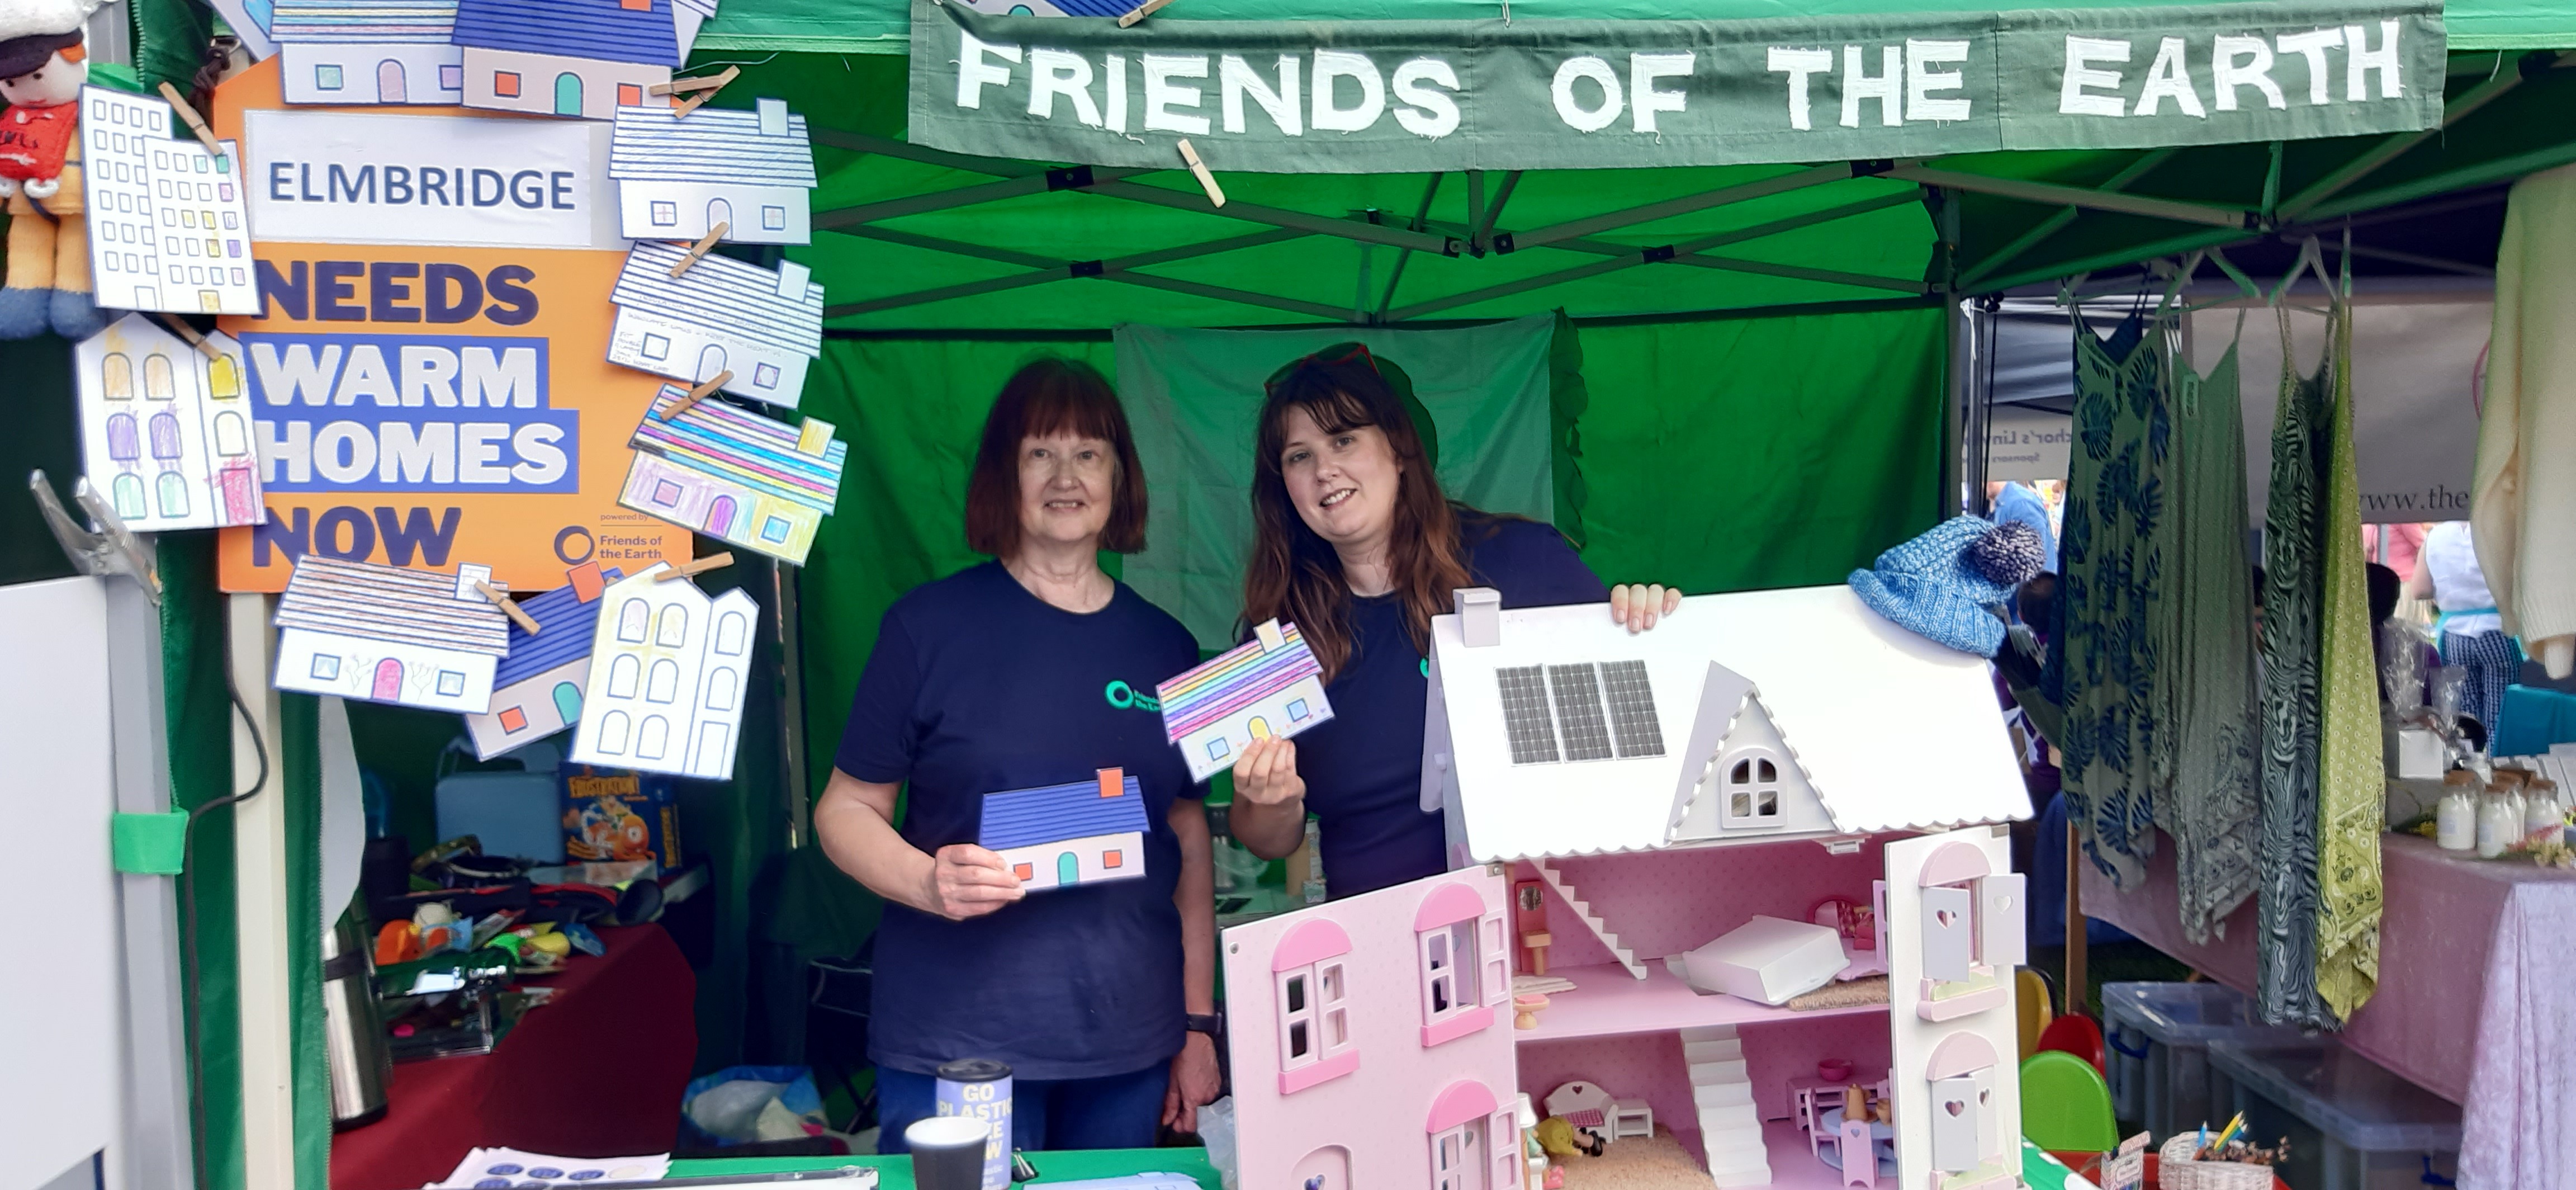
(1938, 586)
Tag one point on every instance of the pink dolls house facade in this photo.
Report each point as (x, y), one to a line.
(1372, 1042)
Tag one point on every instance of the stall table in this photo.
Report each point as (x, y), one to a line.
(597, 1071)
(2474, 988)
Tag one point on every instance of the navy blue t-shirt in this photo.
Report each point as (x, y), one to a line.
(977, 686)
(1363, 767)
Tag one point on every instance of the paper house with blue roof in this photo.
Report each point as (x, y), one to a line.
(369, 51)
(565, 57)
(731, 473)
(1268, 686)
(536, 689)
(678, 178)
(721, 316)
(1082, 833)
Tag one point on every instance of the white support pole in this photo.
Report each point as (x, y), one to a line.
(260, 898)
(155, 1151)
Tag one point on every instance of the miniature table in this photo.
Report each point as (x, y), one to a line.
(1802, 1093)
(1882, 1141)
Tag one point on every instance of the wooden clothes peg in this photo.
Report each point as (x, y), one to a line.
(701, 566)
(704, 389)
(705, 91)
(188, 115)
(509, 607)
(708, 82)
(1140, 12)
(180, 327)
(698, 251)
(1199, 170)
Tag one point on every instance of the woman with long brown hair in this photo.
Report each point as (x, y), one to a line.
(1354, 543)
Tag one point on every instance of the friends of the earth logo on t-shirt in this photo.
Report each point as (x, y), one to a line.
(1126, 697)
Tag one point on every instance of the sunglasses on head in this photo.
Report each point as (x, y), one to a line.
(1337, 354)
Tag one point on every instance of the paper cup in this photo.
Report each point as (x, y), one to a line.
(947, 1152)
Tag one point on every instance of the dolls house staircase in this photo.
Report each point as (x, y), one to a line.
(1592, 921)
(1730, 1130)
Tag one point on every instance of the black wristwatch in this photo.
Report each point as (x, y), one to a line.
(1210, 1024)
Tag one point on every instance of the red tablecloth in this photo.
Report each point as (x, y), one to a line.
(595, 1072)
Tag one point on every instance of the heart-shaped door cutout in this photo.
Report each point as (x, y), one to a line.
(1954, 1106)
(1984, 1097)
(1945, 917)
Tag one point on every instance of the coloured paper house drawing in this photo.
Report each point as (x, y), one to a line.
(731, 473)
(1268, 686)
(166, 432)
(1079, 833)
(536, 689)
(169, 227)
(721, 316)
(667, 672)
(1372, 1042)
(565, 57)
(369, 51)
(386, 634)
(678, 178)
(689, 16)
(1755, 754)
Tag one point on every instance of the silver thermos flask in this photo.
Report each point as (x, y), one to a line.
(353, 1032)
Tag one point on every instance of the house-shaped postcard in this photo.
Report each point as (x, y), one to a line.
(165, 430)
(667, 671)
(368, 51)
(417, 638)
(1083, 832)
(1268, 686)
(678, 178)
(1745, 817)
(1372, 1041)
(689, 16)
(722, 315)
(536, 690)
(565, 57)
(730, 473)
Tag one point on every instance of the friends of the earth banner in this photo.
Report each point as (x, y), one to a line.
(1407, 96)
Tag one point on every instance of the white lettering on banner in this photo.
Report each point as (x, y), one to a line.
(2227, 72)
(2312, 46)
(1061, 72)
(1236, 79)
(2359, 62)
(2076, 96)
(324, 177)
(2170, 78)
(1800, 65)
(1644, 100)
(2235, 62)
(1568, 109)
(1858, 85)
(1117, 88)
(1332, 66)
(1921, 81)
(1162, 95)
(1428, 112)
(974, 73)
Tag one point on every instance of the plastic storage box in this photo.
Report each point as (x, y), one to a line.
(2158, 1037)
(2352, 1125)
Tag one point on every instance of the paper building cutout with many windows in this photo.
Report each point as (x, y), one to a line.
(1084, 832)
(678, 178)
(536, 689)
(368, 51)
(565, 57)
(667, 671)
(721, 316)
(169, 226)
(374, 633)
(1371, 1039)
(1268, 686)
(733, 474)
(166, 432)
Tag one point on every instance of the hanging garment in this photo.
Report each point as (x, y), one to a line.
(2353, 779)
(2103, 662)
(2208, 804)
(2526, 472)
(2285, 973)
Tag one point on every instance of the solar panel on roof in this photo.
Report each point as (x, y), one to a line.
(1632, 708)
(1578, 711)
(1526, 722)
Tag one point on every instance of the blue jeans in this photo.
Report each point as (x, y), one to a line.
(1119, 1111)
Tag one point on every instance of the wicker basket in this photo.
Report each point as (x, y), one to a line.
(2175, 1170)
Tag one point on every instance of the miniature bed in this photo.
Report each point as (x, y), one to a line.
(1628, 800)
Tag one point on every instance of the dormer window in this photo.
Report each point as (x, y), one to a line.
(1751, 785)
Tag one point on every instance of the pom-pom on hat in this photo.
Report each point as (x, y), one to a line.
(1939, 585)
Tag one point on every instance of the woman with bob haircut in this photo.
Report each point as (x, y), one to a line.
(1007, 676)
(1354, 543)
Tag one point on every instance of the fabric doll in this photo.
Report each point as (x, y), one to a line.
(42, 67)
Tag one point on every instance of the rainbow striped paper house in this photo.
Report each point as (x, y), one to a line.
(760, 484)
(1268, 686)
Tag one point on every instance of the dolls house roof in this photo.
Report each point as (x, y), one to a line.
(1570, 736)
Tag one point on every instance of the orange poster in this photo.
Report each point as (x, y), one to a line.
(429, 364)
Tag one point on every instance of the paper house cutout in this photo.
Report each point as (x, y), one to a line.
(537, 687)
(168, 225)
(565, 57)
(166, 432)
(1268, 686)
(688, 16)
(1084, 832)
(667, 672)
(1371, 1038)
(733, 474)
(1866, 727)
(368, 51)
(385, 634)
(678, 178)
(722, 315)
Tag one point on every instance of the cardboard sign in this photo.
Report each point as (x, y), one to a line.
(418, 405)
(363, 176)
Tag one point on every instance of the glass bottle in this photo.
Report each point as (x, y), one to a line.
(2499, 819)
(2456, 815)
(2540, 808)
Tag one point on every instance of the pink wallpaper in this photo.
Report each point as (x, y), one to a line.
(1636, 894)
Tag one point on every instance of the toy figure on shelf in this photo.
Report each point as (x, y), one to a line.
(42, 68)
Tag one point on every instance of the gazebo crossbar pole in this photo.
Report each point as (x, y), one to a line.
(1802, 273)
(2431, 262)
(2054, 194)
(2050, 226)
(1816, 175)
(844, 218)
(1395, 275)
(2498, 170)
(1344, 227)
(1481, 237)
(1221, 293)
(2398, 145)
(1045, 270)
(1508, 288)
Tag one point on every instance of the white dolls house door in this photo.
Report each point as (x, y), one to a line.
(1949, 933)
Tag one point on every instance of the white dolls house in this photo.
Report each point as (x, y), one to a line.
(1777, 754)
